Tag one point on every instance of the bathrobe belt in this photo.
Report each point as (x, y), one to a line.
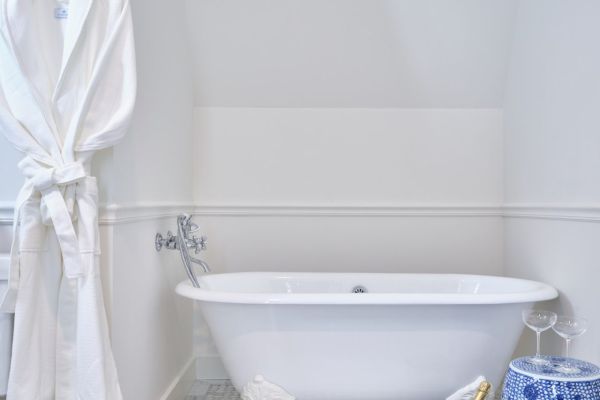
(58, 194)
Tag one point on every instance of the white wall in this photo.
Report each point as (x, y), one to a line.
(271, 184)
(150, 183)
(256, 161)
(153, 161)
(152, 326)
(350, 53)
(552, 161)
(259, 156)
(552, 100)
(387, 243)
(322, 189)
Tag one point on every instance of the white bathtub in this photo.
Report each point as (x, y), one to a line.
(412, 336)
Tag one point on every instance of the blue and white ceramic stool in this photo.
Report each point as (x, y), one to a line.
(526, 381)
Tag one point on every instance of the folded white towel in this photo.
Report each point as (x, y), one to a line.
(469, 391)
(260, 389)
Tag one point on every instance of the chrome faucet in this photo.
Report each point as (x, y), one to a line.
(184, 241)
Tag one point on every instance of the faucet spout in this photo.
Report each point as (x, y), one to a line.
(184, 241)
(203, 264)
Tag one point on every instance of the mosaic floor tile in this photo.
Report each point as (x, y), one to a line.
(213, 390)
(224, 390)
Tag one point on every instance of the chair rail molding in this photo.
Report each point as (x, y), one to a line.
(113, 214)
(585, 212)
(6, 212)
(383, 210)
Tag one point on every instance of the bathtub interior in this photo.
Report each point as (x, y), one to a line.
(384, 288)
(337, 283)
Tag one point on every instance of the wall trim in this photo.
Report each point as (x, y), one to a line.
(182, 382)
(113, 214)
(6, 213)
(565, 212)
(404, 210)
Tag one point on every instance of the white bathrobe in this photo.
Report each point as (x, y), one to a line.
(67, 89)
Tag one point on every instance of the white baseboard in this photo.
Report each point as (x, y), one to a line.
(196, 368)
(210, 367)
(182, 383)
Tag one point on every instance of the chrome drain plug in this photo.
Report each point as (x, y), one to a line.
(359, 289)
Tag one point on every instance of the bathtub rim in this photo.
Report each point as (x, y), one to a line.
(540, 292)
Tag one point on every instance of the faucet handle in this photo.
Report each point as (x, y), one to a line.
(185, 220)
(200, 243)
(170, 242)
(192, 227)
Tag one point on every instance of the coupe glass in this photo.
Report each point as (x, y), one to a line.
(539, 321)
(568, 328)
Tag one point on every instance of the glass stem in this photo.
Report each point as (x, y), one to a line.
(567, 342)
(538, 352)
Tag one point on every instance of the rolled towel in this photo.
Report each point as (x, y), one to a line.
(260, 389)
(470, 391)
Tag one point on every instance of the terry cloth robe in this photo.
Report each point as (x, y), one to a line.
(67, 89)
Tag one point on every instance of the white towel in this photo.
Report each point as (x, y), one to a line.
(468, 392)
(260, 389)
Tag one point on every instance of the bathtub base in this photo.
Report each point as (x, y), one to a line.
(405, 336)
(206, 389)
(363, 352)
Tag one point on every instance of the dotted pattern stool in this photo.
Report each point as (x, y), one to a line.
(527, 381)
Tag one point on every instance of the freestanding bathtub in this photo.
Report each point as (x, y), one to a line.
(410, 336)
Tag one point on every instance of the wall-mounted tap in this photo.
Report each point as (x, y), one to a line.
(188, 228)
(183, 241)
(170, 242)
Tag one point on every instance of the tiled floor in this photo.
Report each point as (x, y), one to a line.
(213, 390)
(224, 390)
